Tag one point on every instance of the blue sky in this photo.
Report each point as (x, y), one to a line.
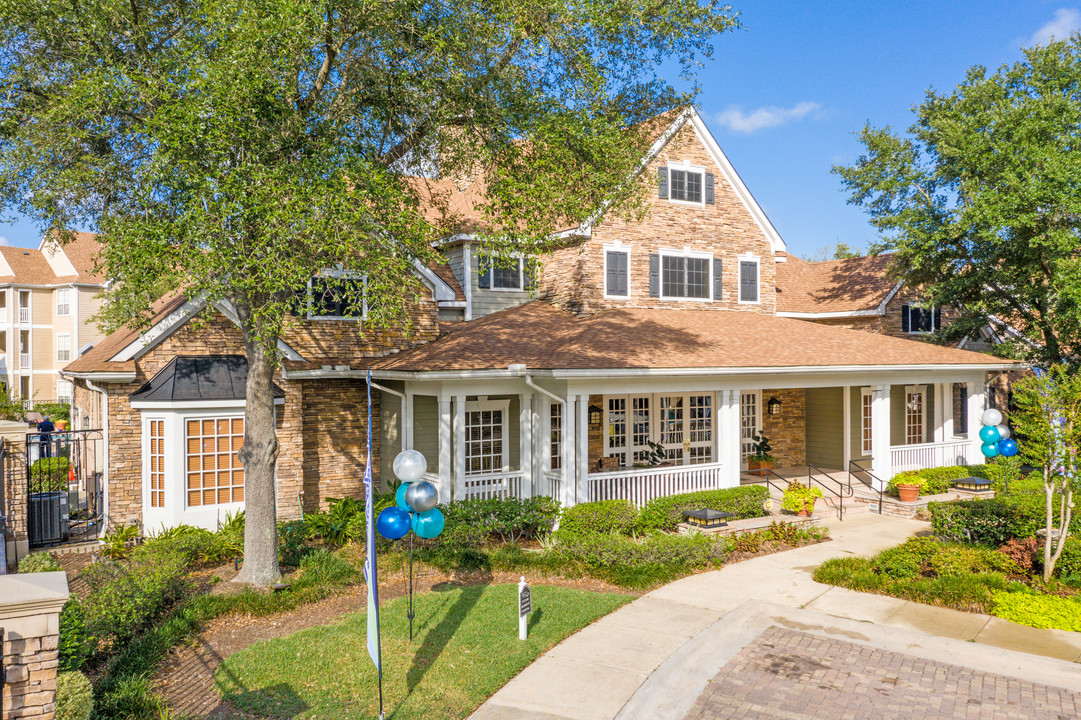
(784, 95)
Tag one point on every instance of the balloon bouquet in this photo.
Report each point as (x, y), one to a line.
(996, 436)
(415, 509)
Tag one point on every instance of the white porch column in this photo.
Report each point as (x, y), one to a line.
(459, 447)
(948, 431)
(881, 461)
(581, 433)
(525, 443)
(446, 442)
(728, 437)
(939, 430)
(407, 421)
(976, 405)
(568, 487)
(846, 425)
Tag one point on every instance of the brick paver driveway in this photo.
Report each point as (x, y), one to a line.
(793, 675)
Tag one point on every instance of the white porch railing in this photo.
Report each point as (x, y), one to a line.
(24, 315)
(640, 485)
(550, 484)
(929, 455)
(493, 485)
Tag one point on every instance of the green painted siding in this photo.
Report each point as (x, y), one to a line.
(426, 429)
(825, 427)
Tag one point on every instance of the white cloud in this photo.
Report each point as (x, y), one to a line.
(4, 240)
(736, 120)
(1065, 22)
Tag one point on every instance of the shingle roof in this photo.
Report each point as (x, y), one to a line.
(97, 358)
(833, 286)
(447, 275)
(543, 337)
(199, 377)
(29, 266)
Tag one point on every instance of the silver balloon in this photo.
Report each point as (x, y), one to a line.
(991, 417)
(1003, 431)
(422, 496)
(410, 466)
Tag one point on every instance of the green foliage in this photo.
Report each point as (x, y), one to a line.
(967, 222)
(665, 513)
(292, 536)
(323, 568)
(74, 696)
(74, 645)
(933, 481)
(54, 411)
(333, 524)
(115, 544)
(606, 516)
(798, 496)
(39, 562)
(510, 519)
(1069, 563)
(761, 449)
(644, 563)
(231, 533)
(987, 522)
(196, 546)
(459, 536)
(49, 474)
(1040, 611)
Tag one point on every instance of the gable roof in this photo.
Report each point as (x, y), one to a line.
(52, 263)
(541, 336)
(842, 287)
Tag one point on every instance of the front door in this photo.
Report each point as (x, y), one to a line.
(750, 423)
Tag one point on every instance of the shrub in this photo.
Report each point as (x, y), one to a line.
(678, 551)
(926, 557)
(231, 533)
(909, 477)
(461, 536)
(321, 567)
(1022, 552)
(1040, 611)
(74, 645)
(39, 562)
(55, 411)
(987, 522)
(897, 562)
(1069, 563)
(292, 535)
(606, 516)
(196, 546)
(74, 696)
(49, 474)
(935, 481)
(511, 519)
(665, 513)
(332, 524)
(798, 497)
(115, 544)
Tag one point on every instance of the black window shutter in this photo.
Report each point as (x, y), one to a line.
(717, 282)
(611, 274)
(709, 188)
(904, 318)
(662, 183)
(654, 275)
(748, 281)
(938, 319)
(484, 272)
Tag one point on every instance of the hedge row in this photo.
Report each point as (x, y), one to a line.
(665, 513)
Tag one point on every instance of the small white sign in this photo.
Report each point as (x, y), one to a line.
(525, 606)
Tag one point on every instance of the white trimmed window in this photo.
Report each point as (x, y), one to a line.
(507, 274)
(866, 413)
(63, 301)
(555, 436)
(336, 296)
(617, 263)
(156, 462)
(959, 397)
(63, 347)
(486, 447)
(749, 279)
(682, 424)
(915, 414)
(681, 182)
(685, 276)
(213, 471)
(63, 391)
(920, 319)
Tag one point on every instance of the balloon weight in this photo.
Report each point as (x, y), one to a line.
(392, 523)
(399, 497)
(410, 466)
(421, 496)
(1007, 447)
(991, 417)
(989, 449)
(1003, 431)
(989, 434)
(429, 524)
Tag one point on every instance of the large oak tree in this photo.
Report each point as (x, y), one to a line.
(981, 201)
(236, 148)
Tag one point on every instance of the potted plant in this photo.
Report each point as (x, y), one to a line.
(760, 458)
(800, 498)
(908, 486)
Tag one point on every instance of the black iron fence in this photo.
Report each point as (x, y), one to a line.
(65, 497)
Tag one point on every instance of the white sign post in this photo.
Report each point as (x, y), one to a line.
(525, 606)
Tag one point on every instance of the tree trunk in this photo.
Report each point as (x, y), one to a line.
(259, 456)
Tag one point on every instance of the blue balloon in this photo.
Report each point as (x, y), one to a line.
(429, 524)
(989, 434)
(989, 449)
(392, 523)
(399, 497)
(1007, 447)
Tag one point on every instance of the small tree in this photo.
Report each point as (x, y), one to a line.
(1048, 418)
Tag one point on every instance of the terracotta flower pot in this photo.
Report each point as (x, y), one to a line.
(908, 493)
(804, 513)
(756, 467)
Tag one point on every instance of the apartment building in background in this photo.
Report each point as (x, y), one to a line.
(47, 299)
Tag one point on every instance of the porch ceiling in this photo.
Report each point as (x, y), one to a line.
(545, 338)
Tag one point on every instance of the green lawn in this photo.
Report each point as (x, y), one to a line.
(465, 647)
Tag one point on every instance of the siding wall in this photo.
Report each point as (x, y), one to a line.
(855, 439)
(897, 414)
(390, 444)
(486, 302)
(825, 427)
(426, 429)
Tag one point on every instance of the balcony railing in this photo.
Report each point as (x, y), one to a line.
(24, 361)
(640, 485)
(24, 315)
(930, 455)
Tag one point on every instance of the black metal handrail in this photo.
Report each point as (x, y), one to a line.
(811, 480)
(846, 487)
(868, 483)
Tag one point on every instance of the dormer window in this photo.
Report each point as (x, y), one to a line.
(511, 274)
(920, 319)
(333, 295)
(684, 183)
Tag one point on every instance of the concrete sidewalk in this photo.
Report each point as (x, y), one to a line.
(655, 656)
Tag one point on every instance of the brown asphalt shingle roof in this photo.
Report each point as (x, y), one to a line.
(832, 286)
(96, 359)
(544, 337)
(29, 266)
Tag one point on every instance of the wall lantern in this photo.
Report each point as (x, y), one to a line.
(594, 416)
(774, 406)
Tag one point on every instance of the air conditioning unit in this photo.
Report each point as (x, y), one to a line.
(49, 518)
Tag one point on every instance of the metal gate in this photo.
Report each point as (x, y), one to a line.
(63, 486)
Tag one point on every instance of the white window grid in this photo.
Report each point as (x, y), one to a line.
(915, 413)
(671, 428)
(486, 437)
(866, 415)
(686, 183)
(213, 473)
(63, 301)
(555, 436)
(641, 428)
(749, 421)
(700, 428)
(686, 276)
(63, 347)
(157, 463)
(63, 391)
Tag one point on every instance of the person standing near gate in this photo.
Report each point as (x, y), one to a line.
(46, 428)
